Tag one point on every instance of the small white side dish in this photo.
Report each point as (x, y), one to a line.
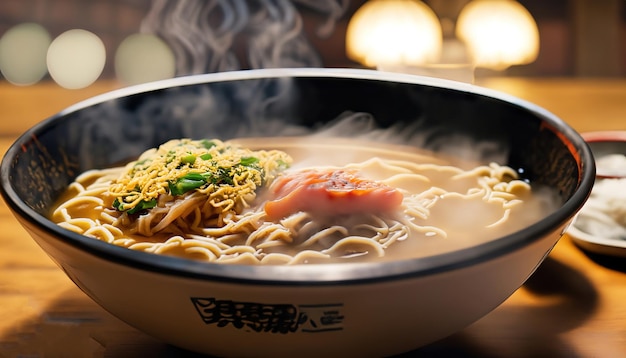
(600, 226)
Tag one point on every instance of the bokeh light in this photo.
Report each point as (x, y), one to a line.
(143, 58)
(23, 53)
(392, 32)
(498, 34)
(76, 58)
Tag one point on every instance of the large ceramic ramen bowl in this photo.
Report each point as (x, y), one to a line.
(352, 309)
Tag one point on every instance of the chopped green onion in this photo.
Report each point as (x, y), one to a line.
(247, 161)
(142, 205)
(187, 183)
(117, 205)
(188, 159)
(207, 144)
(223, 176)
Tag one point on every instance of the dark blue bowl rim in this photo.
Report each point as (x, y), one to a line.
(308, 275)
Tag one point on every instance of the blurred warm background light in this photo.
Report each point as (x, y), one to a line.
(383, 32)
(23, 53)
(143, 58)
(498, 33)
(438, 38)
(76, 58)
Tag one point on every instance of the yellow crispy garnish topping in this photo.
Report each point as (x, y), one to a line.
(223, 171)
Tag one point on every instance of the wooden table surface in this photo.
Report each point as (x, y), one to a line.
(573, 306)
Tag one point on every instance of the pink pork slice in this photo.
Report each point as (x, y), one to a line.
(328, 193)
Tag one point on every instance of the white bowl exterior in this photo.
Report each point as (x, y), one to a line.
(372, 319)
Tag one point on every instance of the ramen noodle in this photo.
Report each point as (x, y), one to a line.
(298, 203)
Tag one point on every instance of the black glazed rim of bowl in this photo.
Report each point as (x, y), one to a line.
(323, 274)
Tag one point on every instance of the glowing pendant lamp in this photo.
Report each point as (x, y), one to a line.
(498, 33)
(384, 32)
